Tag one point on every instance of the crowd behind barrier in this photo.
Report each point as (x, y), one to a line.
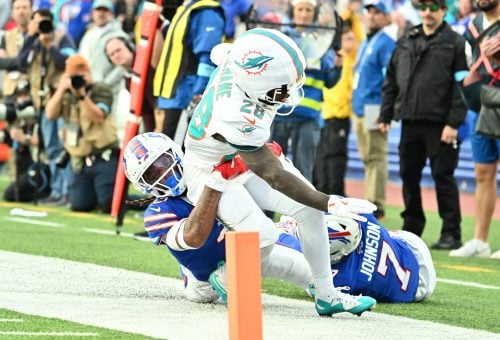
(60, 124)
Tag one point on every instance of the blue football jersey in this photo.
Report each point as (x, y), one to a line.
(162, 214)
(381, 267)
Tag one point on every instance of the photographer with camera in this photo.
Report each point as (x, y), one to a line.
(89, 134)
(10, 45)
(30, 178)
(43, 56)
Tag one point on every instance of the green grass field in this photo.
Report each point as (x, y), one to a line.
(471, 300)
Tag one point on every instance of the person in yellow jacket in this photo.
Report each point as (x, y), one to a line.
(331, 158)
(185, 67)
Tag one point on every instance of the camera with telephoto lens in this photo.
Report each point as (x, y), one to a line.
(46, 26)
(25, 109)
(77, 82)
(62, 159)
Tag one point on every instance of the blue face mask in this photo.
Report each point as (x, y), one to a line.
(172, 182)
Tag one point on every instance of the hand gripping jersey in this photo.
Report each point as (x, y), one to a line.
(381, 267)
(164, 213)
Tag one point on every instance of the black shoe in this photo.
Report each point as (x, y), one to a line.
(447, 242)
(62, 201)
(142, 236)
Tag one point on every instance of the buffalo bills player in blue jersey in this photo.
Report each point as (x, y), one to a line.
(391, 266)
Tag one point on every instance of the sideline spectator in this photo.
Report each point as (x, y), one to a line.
(10, 45)
(421, 90)
(43, 56)
(369, 72)
(92, 49)
(121, 52)
(185, 66)
(332, 157)
(463, 16)
(90, 135)
(485, 151)
(73, 17)
(303, 125)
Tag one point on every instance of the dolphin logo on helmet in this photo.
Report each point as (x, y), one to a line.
(279, 62)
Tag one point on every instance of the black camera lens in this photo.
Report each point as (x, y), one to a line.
(62, 159)
(77, 82)
(46, 26)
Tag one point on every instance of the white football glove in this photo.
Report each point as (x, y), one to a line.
(216, 181)
(350, 207)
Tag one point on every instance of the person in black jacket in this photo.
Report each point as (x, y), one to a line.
(421, 89)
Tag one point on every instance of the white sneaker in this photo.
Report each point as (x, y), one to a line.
(496, 255)
(196, 290)
(472, 248)
(342, 302)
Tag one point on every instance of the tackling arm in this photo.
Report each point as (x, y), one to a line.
(267, 166)
(201, 220)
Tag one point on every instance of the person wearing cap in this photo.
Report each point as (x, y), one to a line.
(303, 125)
(89, 134)
(92, 47)
(372, 58)
(10, 45)
(422, 90)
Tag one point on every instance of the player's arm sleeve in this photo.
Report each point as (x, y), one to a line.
(175, 237)
(266, 165)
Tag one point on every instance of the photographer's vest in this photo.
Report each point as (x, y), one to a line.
(83, 137)
(52, 74)
(13, 42)
(177, 59)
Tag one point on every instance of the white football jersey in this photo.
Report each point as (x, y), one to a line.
(226, 111)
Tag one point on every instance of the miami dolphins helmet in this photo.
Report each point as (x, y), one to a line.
(268, 66)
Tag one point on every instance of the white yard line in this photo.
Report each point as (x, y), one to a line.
(11, 320)
(468, 284)
(35, 222)
(47, 333)
(155, 306)
(106, 232)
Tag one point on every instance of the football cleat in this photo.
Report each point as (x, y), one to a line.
(344, 303)
(218, 281)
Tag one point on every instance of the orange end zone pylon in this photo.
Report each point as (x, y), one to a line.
(149, 18)
(244, 299)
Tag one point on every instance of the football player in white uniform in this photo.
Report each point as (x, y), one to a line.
(259, 72)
